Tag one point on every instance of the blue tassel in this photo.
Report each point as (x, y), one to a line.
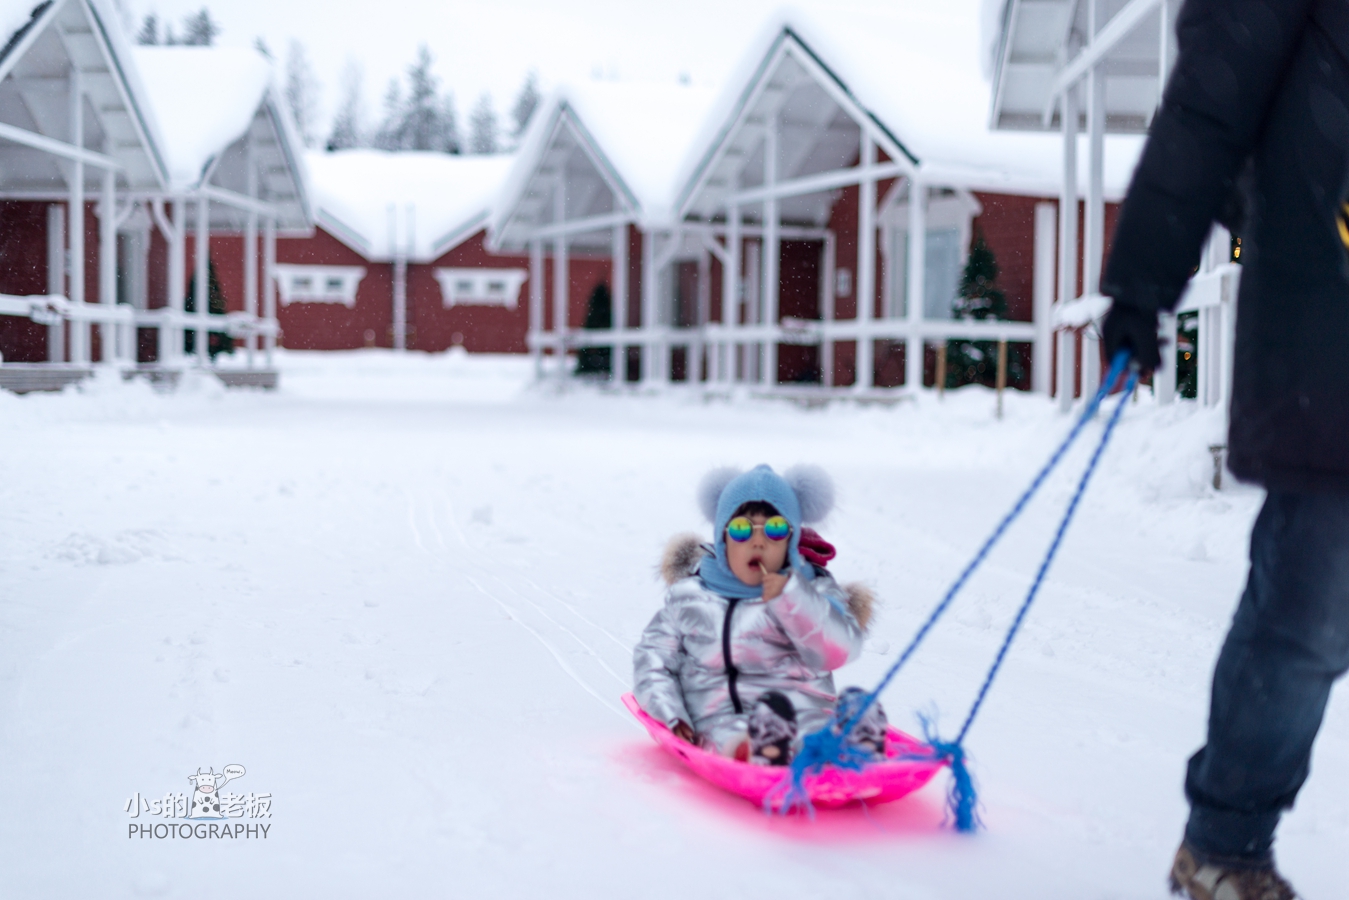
(962, 802)
(826, 747)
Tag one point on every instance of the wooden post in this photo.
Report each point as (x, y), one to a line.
(941, 370)
(1002, 372)
(201, 247)
(79, 327)
(269, 287)
(112, 333)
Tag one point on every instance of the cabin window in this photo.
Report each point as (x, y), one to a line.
(319, 284)
(481, 287)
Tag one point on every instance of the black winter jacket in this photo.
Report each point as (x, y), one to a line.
(1257, 110)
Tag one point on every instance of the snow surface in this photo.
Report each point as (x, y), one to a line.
(917, 67)
(401, 591)
(204, 99)
(451, 197)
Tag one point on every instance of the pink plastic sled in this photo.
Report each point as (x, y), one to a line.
(876, 783)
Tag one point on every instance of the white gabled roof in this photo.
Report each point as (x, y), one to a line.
(211, 102)
(206, 98)
(450, 196)
(635, 136)
(915, 66)
(35, 62)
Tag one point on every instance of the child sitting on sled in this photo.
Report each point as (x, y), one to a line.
(739, 659)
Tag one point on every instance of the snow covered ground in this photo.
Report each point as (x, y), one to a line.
(401, 592)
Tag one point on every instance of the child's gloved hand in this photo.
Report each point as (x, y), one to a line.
(773, 583)
(683, 731)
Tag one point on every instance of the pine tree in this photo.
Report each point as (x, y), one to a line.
(525, 103)
(217, 342)
(451, 142)
(422, 127)
(148, 36)
(347, 129)
(599, 317)
(261, 46)
(482, 124)
(976, 362)
(199, 30)
(389, 134)
(301, 92)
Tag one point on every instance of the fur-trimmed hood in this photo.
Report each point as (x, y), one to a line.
(684, 552)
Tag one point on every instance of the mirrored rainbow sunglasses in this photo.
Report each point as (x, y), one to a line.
(740, 529)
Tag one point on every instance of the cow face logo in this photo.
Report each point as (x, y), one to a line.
(206, 802)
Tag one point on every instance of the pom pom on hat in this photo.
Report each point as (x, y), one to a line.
(814, 491)
(710, 488)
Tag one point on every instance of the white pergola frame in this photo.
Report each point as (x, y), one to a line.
(731, 351)
(167, 209)
(1082, 65)
(731, 338)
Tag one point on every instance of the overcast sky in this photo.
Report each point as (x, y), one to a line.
(491, 46)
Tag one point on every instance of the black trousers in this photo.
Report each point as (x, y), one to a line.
(1288, 644)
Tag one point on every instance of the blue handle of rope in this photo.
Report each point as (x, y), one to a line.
(828, 746)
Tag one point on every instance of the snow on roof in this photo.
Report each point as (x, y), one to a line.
(15, 14)
(204, 98)
(917, 67)
(451, 197)
(643, 131)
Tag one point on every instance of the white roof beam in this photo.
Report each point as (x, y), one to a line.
(57, 148)
(1104, 41)
(824, 181)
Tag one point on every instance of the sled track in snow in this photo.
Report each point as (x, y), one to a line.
(470, 559)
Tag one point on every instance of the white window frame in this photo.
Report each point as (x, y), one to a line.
(955, 211)
(318, 284)
(481, 287)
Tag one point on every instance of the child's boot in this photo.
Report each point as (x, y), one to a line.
(869, 732)
(772, 728)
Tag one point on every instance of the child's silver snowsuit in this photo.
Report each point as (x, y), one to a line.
(789, 644)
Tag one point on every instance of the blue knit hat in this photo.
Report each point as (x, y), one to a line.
(804, 495)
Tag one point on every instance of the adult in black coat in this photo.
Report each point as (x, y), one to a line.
(1253, 132)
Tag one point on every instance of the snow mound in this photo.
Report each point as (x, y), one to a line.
(120, 549)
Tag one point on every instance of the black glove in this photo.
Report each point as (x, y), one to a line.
(1133, 329)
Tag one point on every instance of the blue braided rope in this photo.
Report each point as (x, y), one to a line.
(829, 746)
(1049, 557)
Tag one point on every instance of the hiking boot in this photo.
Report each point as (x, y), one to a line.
(1215, 881)
(772, 728)
(869, 733)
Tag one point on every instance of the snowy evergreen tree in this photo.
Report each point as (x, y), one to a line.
(976, 362)
(148, 36)
(389, 134)
(599, 317)
(423, 124)
(217, 342)
(525, 103)
(199, 29)
(348, 131)
(482, 124)
(452, 143)
(261, 46)
(302, 92)
(421, 119)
